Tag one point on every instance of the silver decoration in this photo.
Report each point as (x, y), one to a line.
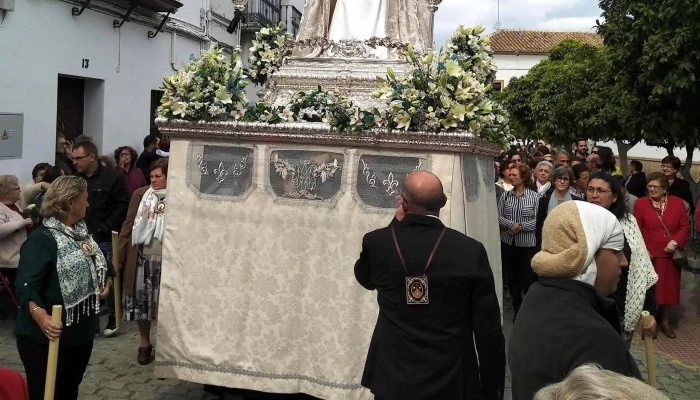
(220, 173)
(304, 176)
(420, 164)
(371, 180)
(354, 77)
(322, 134)
(238, 169)
(348, 48)
(390, 184)
(202, 164)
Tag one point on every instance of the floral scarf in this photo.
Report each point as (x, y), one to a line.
(150, 220)
(659, 206)
(81, 268)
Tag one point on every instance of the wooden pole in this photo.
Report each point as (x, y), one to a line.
(53, 356)
(649, 348)
(117, 281)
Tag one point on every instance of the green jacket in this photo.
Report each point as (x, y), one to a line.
(37, 281)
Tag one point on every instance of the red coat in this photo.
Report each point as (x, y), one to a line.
(12, 386)
(655, 236)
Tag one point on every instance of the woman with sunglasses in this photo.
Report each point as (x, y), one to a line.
(635, 289)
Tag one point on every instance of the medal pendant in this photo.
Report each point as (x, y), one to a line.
(417, 290)
(87, 248)
(160, 207)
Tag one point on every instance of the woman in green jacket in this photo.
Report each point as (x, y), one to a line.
(60, 264)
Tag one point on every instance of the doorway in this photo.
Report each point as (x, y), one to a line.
(70, 106)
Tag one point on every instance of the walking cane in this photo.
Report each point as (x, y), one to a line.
(53, 356)
(649, 348)
(117, 281)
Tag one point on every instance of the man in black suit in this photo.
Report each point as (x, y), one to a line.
(636, 183)
(438, 334)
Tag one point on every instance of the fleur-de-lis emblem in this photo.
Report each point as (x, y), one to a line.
(202, 164)
(220, 173)
(390, 184)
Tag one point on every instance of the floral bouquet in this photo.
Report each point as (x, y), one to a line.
(267, 52)
(447, 91)
(207, 89)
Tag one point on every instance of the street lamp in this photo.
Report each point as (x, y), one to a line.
(432, 7)
(238, 6)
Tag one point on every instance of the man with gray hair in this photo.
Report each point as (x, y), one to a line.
(438, 334)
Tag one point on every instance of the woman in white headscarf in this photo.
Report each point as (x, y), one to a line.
(140, 245)
(567, 320)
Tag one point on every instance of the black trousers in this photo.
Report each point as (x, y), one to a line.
(518, 269)
(72, 362)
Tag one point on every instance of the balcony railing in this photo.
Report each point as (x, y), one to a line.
(267, 12)
(262, 12)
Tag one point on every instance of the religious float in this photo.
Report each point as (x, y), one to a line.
(268, 202)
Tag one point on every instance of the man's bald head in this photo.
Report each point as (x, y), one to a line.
(423, 193)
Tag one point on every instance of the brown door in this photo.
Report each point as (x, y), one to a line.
(70, 107)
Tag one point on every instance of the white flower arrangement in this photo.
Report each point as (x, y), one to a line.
(445, 91)
(267, 52)
(207, 89)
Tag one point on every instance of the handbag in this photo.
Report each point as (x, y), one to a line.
(680, 259)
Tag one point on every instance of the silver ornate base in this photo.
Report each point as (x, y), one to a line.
(356, 78)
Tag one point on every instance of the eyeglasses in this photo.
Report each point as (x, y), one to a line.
(599, 191)
(78, 158)
(667, 166)
(562, 179)
(594, 152)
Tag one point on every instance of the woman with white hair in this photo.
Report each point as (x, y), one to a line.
(543, 178)
(591, 382)
(567, 320)
(14, 227)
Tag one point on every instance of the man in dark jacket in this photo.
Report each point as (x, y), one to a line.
(150, 146)
(566, 320)
(108, 202)
(438, 335)
(63, 160)
(636, 182)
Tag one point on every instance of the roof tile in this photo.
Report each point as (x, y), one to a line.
(536, 42)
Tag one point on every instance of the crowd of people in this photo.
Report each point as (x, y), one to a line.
(656, 211)
(584, 252)
(56, 238)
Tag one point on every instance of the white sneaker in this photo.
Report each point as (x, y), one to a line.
(111, 327)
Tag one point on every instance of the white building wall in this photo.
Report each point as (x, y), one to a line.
(513, 66)
(41, 39)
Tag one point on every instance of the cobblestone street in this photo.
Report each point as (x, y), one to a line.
(114, 374)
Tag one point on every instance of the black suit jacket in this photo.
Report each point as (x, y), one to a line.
(681, 188)
(428, 351)
(637, 184)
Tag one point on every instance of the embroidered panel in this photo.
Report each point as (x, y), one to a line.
(471, 177)
(305, 175)
(488, 172)
(379, 178)
(221, 171)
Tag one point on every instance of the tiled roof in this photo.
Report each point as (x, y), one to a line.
(536, 42)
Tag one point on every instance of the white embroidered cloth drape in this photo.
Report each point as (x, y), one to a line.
(261, 294)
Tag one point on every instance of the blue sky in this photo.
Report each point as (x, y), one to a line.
(568, 15)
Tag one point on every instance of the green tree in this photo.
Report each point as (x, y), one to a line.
(655, 48)
(572, 93)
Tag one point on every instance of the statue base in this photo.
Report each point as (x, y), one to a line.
(355, 78)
